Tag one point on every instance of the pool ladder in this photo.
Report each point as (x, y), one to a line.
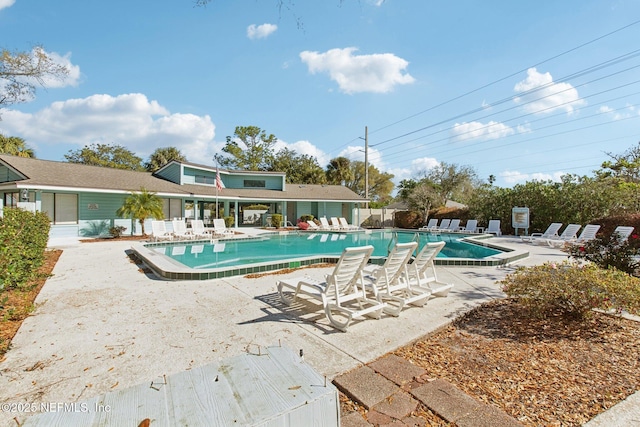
(394, 240)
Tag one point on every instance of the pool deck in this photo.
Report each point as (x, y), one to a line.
(101, 324)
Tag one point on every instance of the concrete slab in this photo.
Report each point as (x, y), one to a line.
(365, 386)
(488, 416)
(101, 324)
(354, 419)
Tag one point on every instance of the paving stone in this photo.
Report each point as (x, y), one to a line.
(365, 386)
(488, 416)
(414, 421)
(398, 405)
(353, 419)
(377, 418)
(397, 369)
(446, 400)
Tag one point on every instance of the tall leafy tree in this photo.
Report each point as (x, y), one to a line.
(380, 184)
(250, 148)
(339, 171)
(300, 168)
(423, 197)
(106, 155)
(452, 181)
(625, 166)
(162, 156)
(15, 146)
(21, 72)
(140, 206)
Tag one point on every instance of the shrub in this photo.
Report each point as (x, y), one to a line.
(276, 220)
(23, 240)
(609, 251)
(117, 231)
(229, 221)
(306, 218)
(573, 290)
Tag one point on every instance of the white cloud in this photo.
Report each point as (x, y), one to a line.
(514, 177)
(72, 79)
(6, 3)
(541, 95)
(130, 120)
(304, 147)
(617, 114)
(480, 131)
(357, 154)
(378, 73)
(260, 31)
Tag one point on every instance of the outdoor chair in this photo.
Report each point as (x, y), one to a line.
(180, 230)
(422, 275)
(431, 225)
(388, 281)
(550, 233)
(342, 293)
(345, 224)
(444, 225)
(324, 224)
(159, 231)
(568, 234)
(219, 227)
(470, 227)
(454, 225)
(199, 230)
(494, 227)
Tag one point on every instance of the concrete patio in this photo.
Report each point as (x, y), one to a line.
(101, 324)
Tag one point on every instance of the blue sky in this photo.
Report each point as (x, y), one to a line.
(517, 89)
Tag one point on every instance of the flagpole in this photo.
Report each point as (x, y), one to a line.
(217, 177)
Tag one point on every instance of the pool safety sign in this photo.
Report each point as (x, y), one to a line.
(520, 219)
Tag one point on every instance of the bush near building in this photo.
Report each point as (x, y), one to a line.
(23, 240)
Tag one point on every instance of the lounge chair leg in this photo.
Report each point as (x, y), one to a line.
(338, 325)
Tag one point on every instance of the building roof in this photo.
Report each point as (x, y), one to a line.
(48, 174)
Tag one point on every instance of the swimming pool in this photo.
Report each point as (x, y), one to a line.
(232, 257)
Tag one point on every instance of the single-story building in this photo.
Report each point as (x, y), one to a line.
(82, 200)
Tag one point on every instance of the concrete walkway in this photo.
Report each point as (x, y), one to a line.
(101, 324)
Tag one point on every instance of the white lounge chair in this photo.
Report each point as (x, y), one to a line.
(199, 230)
(444, 225)
(345, 224)
(159, 231)
(219, 227)
(454, 225)
(431, 225)
(550, 233)
(324, 224)
(180, 230)
(588, 233)
(494, 227)
(335, 223)
(342, 292)
(422, 275)
(389, 280)
(313, 225)
(623, 232)
(470, 227)
(568, 234)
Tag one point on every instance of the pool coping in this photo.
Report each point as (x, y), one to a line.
(167, 268)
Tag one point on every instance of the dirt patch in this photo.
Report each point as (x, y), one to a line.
(17, 304)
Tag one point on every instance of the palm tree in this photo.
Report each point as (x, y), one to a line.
(141, 206)
(15, 146)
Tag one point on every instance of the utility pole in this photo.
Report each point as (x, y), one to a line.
(366, 164)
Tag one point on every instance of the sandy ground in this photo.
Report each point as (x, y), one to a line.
(101, 324)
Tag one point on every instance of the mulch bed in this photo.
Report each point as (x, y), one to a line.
(553, 371)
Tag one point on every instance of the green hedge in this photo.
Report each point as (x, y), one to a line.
(23, 240)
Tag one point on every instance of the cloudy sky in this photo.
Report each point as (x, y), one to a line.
(518, 90)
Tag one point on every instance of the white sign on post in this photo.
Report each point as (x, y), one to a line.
(520, 219)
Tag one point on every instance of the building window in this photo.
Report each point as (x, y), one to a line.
(172, 208)
(254, 183)
(205, 179)
(60, 208)
(11, 199)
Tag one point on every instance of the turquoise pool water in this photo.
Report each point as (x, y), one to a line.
(276, 248)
